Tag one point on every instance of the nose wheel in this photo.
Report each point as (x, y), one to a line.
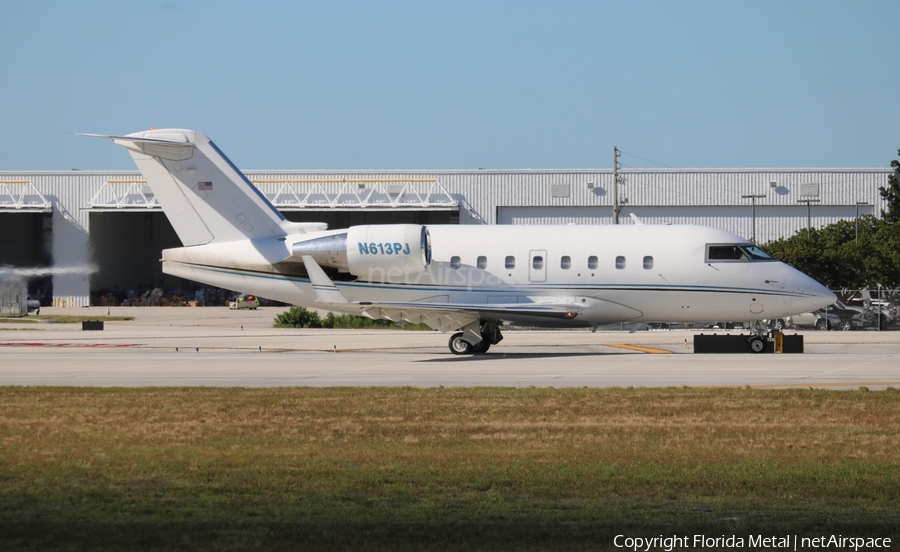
(757, 344)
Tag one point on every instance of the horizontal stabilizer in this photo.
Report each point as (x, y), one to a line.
(174, 139)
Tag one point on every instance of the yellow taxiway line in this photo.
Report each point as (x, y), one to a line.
(649, 350)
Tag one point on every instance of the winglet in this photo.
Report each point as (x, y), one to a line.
(636, 220)
(326, 291)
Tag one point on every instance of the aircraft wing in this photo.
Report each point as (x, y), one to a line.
(448, 317)
(445, 317)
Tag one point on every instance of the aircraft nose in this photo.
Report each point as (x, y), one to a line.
(813, 295)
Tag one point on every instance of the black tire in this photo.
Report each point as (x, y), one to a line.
(822, 324)
(482, 347)
(458, 345)
(757, 345)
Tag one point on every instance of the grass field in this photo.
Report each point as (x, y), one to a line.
(413, 469)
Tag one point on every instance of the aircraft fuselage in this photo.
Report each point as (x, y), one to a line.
(612, 273)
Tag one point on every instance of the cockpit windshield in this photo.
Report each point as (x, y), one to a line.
(722, 252)
(757, 254)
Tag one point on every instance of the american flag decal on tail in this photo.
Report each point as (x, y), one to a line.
(204, 185)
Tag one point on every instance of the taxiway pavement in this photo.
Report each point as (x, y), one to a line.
(213, 346)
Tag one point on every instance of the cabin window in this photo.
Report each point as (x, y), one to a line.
(537, 262)
(620, 262)
(592, 262)
(481, 262)
(648, 262)
(454, 261)
(510, 262)
(565, 262)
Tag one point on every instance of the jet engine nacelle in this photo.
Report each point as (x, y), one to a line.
(373, 251)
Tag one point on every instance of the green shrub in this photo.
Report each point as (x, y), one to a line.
(298, 317)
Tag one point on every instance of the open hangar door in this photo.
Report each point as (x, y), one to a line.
(126, 248)
(26, 242)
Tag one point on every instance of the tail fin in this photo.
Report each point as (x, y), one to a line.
(205, 197)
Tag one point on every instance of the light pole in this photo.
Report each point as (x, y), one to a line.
(858, 203)
(753, 198)
(808, 213)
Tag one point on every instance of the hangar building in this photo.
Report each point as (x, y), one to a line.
(100, 231)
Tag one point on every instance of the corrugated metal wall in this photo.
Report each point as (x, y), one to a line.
(772, 221)
(698, 196)
(482, 193)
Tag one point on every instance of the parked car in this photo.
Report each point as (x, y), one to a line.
(777, 324)
(818, 319)
(851, 317)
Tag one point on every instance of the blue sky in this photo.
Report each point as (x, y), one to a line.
(455, 85)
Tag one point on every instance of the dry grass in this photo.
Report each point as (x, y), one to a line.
(453, 468)
(78, 319)
(63, 319)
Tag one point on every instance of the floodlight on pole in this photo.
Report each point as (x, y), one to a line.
(753, 198)
(808, 212)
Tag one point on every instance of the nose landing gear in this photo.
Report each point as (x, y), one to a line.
(757, 344)
(761, 337)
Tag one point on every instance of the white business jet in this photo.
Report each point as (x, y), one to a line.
(466, 280)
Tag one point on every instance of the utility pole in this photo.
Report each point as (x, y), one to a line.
(753, 198)
(615, 189)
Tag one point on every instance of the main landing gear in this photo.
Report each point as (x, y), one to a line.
(476, 338)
